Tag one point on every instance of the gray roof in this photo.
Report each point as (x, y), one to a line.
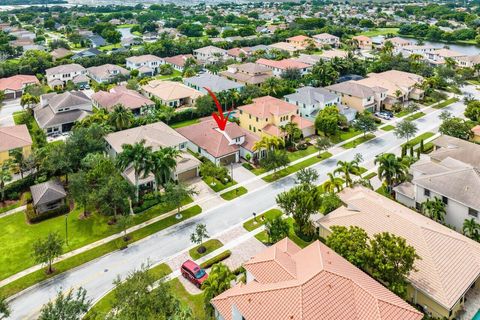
(213, 82)
(47, 113)
(458, 149)
(69, 99)
(47, 192)
(65, 68)
(46, 118)
(311, 96)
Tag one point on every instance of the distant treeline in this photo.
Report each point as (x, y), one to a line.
(19, 2)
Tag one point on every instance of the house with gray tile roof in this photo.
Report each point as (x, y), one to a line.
(48, 196)
(213, 82)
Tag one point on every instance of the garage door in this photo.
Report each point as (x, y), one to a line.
(228, 159)
(189, 174)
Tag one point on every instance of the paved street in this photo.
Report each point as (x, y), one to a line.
(97, 276)
(6, 110)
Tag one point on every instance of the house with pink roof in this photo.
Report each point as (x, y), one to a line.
(285, 282)
(14, 86)
(120, 95)
(279, 67)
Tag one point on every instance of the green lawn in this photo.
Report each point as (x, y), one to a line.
(383, 191)
(345, 135)
(103, 306)
(388, 127)
(362, 170)
(356, 142)
(211, 245)
(296, 167)
(195, 302)
(175, 74)
(217, 185)
(185, 123)
(301, 153)
(445, 103)
(370, 175)
(253, 224)
(415, 116)
(126, 25)
(263, 237)
(379, 32)
(79, 259)
(110, 47)
(417, 140)
(403, 113)
(232, 194)
(474, 82)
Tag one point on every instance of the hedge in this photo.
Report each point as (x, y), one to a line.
(15, 189)
(33, 217)
(218, 258)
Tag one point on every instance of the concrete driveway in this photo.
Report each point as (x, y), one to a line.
(6, 112)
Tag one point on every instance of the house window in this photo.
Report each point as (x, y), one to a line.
(426, 192)
(254, 129)
(472, 212)
(249, 116)
(445, 200)
(256, 118)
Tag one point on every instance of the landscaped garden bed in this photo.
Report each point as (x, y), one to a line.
(210, 246)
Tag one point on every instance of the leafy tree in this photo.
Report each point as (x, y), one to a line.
(306, 176)
(365, 123)
(471, 229)
(391, 260)
(47, 249)
(66, 306)
(80, 189)
(123, 222)
(328, 121)
(323, 74)
(28, 100)
(391, 169)
(198, 236)
(176, 193)
(121, 118)
(163, 164)
(292, 131)
(332, 184)
(204, 105)
(277, 229)
(137, 156)
(434, 209)
(405, 129)
(218, 281)
(5, 176)
(292, 74)
(274, 160)
(352, 243)
(322, 144)
(330, 202)
(456, 127)
(268, 143)
(83, 141)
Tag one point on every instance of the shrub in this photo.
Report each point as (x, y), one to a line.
(210, 262)
(33, 217)
(247, 166)
(14, 189)
(149, 200)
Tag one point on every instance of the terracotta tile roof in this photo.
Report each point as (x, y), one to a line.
(120, 95)
(14, 137)
(18, 82)
(450, 262)
(267, 106)
(283, 64)
(170, 90)
(298, 38)
(362, 38)
(302, 122)
(313, 283)
(178, 60)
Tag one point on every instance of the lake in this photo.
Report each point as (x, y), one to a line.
(468, 49)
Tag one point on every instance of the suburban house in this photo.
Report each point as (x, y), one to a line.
(467, 61)
(401, 86)
(451, 174)
(147, 64)
(266, 115)
(156, 135)
(399, 43)
(14, 138)
(311, 59)
(313, 283)
(60, 53)
(171, 93)
(213, 82)
(60, 75)
(88, 53)
(210, 54)
(178, 61)
(422, 50)
(449, 263)
(106, 73)
(438, 56)
(13, 86)
(120, 95)
(58, 112)
(363, 42)
(48, 196)
(279, 67)
(300, 41)
(96, 41)
(359, 96)
(310, 100)
(248, 73)
(327, 39)
(287, 47)
(220, 147)
(331, 54)
(239, 54)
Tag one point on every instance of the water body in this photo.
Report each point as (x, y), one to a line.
(468, 49)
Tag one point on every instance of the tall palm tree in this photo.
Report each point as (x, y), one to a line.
(391, 169)
(471, 229)
(5, 176)
(434, 209)
(292, 131)
(218, 281)
(163, 163)
(346, 168)
(268, 143)
(332, 184)
(271, 86)
(121, 117)
(137, 156)
(388, 47)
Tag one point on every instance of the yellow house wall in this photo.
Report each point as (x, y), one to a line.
(249, 123)
(4, 154)
(353, 102)
(476, 138)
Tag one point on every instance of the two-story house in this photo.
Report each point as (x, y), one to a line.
(120, 95)
(363, 42)
(280, 67)
(210, 54)
(248, 73)
(60, 75)
(327, 39)
(213, 82)
(171, 93)
(58, 112)
(452, 174)
(266, 115)
(147, 65)
(107, 73)
(14, 138)
(359, 96)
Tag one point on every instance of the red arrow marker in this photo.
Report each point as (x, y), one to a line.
(218, 117)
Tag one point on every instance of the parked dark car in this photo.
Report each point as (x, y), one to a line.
(191, 271)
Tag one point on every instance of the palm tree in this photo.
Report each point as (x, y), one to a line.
(434, 209)
(268, 143)
(136, 156)
(218, 281)
(5, 176)
(271, 86)
(28, 100)
(346, 168)
(332, 184)
(163, 163)
(121, 117)
(471, 229)
(292, 131)
(450, 63)
(388, 47)
(391, 169)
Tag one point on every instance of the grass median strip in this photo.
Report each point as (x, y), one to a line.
(232, 194)
(415, 116)
(259, 221)
(79, 259)
(210, 246)
(445, 103)
(388, 127)
(294, 168)
(417, 140)
(356, 142)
